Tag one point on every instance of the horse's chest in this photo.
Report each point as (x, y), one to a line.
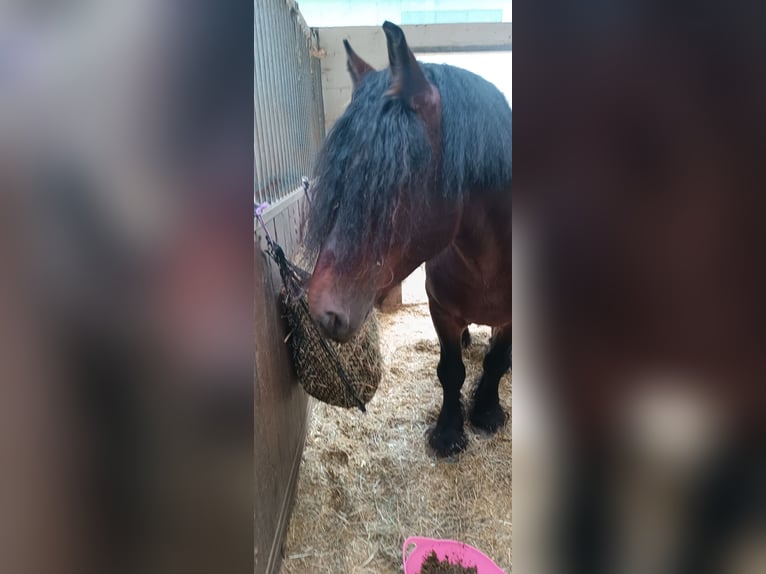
(466, 289)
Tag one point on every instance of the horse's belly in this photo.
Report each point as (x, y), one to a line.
(494, 315)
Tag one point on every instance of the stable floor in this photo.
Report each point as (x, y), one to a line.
(367, 481)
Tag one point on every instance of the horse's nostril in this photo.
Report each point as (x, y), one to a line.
(335, 325)
(328, 321)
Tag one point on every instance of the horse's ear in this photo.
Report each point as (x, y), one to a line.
(407, 79)
(357, 67)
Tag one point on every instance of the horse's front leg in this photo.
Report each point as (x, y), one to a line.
(448, 436)
(486, 412)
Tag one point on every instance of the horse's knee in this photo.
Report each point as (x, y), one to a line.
(450, 372)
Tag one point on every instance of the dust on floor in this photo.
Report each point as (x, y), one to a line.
(367, 481)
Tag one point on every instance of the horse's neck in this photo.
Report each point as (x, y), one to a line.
(484, 231)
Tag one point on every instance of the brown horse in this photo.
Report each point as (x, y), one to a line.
(418, 169)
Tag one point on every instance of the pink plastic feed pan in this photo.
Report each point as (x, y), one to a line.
(413, 558)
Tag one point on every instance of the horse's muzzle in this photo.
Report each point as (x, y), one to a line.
(335, 325)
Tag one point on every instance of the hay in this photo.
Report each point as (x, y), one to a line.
(344, 375)
(368, 481)
(317, 369)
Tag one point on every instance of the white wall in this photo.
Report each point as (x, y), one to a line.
(320, 13)
(496, 67)
(482, 48)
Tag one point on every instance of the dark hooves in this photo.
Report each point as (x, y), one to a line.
(447, 442)
(488, 419)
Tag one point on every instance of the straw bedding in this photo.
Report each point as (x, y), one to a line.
(367, 481)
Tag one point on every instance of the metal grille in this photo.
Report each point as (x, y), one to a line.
(289, 115)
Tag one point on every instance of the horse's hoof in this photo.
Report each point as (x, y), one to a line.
(447, 442)
(489, 419)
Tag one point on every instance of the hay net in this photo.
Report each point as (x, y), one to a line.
(344, 375)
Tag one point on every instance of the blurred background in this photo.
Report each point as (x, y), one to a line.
(638, 427)
(126, 251)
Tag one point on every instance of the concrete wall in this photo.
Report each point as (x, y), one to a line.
(370, 43)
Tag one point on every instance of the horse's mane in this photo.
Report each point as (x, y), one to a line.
(379, 149)
(476, 132)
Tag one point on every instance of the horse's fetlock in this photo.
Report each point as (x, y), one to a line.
(488, 415)
(447, 441)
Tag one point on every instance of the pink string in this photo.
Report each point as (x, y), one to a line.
(259, 216)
